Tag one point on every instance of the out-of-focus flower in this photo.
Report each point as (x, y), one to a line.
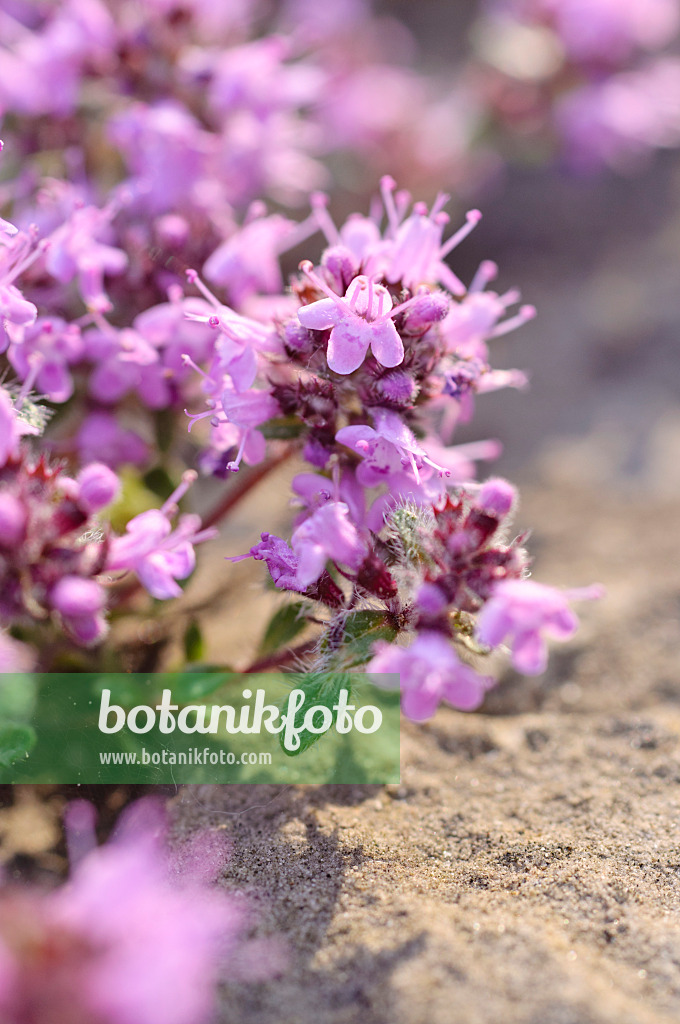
(524, 612)
(157, 553)
(136, 934)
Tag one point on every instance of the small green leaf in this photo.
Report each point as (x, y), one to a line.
(284, 625)
(195, 685)
(15, 742)
(194, 645)
(165, 422)
(322, 689)
(361, 630)
(282, 429)
(159, 481)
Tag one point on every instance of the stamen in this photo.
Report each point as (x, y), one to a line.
(41, 247)
(188, 478)
(324, 221)
(439, 204)
(196, 416)
(35, 363)
(307, 268)
(486, 272)
(188, 361)
(525, 314)
(193, 278)
(234, 466)
(472, 219)
(387, 187)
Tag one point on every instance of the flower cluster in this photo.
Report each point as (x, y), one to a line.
(56, 557)
(366, 367)
(136, 933)
(600, 76)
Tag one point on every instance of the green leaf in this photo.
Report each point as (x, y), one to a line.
(194, 645)
(15, 742)
(361, 630)
(322, 689)
(159, 481)
(284, 625)
(164, 422)
(195, 685)
(282, 429)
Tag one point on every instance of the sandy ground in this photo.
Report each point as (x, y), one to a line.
(527, 868)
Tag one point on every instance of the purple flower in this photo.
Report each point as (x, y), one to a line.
(102, 438)
(387, 450)
(135, 935)
(125, 361)
(279, 558)
(607, 30)
(523, 613)
(158, 554)
(17, 252)
(362, 319)
(167, 150)
(169, 330)
(430, 671)
(49, 346)
(98, 486)
(616, 122)
(327, 534)
(81, 603)
(75, 249)
(248, 262)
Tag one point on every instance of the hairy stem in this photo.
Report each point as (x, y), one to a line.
(279, 658)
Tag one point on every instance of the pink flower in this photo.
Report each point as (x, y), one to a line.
(523, 613)
(10, 430)
(158, 554)
(101, 438)
(135, 936)
(52, 346)
(327, 534)
(429, 672)
(362, 319)
(81, 603)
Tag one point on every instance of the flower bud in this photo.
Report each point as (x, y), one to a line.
(399, 388)
(12, 520)
(497, 497)
(98, 486)
(341, 266)
(297, 339)
(74, 596)
(429, 309)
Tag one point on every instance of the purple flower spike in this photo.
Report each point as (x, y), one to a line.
(430, 672)
(523, 612)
